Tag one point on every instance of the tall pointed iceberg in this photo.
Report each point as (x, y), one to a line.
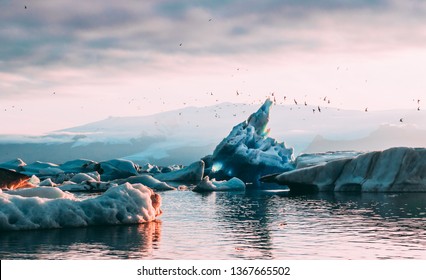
(248, 153)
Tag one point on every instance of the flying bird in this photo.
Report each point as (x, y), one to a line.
(319, 109)
(295, 102)
(401, 120)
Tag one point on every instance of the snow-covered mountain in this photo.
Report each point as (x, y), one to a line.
(184, 136)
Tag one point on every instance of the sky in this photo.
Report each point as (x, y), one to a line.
(65, 63)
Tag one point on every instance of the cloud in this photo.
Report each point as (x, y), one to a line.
(99, 35)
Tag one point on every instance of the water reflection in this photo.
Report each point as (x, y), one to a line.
(272, 224)
(99, 242)
(246, 225)
(244, 222)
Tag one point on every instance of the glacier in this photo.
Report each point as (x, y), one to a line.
(43, 208)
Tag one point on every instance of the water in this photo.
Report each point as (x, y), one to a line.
(246, 225)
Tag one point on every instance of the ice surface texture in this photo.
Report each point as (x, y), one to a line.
(398, 169)
(52, 208)
(248, 153)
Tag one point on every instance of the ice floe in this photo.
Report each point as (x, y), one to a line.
(124, 204)
(397, 169)
(191, 173)
(148, 181)
(207, 185)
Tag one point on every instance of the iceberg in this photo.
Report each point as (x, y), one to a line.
(81, 177)
(16, 164)
(42, 192)
(207, 185)
(248, 153)
(192, 173)
(47, 183)
(124, 204)
(39, 167)
(87, 186)
(78, 166)
(115, 169)
(148, 181)
(399, 169)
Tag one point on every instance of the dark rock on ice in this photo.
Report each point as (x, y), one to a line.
(13, 180)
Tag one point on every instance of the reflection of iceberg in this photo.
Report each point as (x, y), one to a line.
(247, 152)
(100, 242)
(124, 204)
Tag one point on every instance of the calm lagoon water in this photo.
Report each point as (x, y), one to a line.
(246, 225)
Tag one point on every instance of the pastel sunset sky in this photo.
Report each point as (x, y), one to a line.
(64, 63)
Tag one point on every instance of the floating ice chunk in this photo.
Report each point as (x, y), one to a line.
(35, 167)
(207, 185)
(124, 204)
(149, 168)
(87, 186)
(78, 166)
(16, 164)
(47, 183)
(148, 181)
(116, 169)
(50, 171)
(81, 177)
(191, 173)
(42, 192)
(393, 170)
(247, 152)
(34, 180)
